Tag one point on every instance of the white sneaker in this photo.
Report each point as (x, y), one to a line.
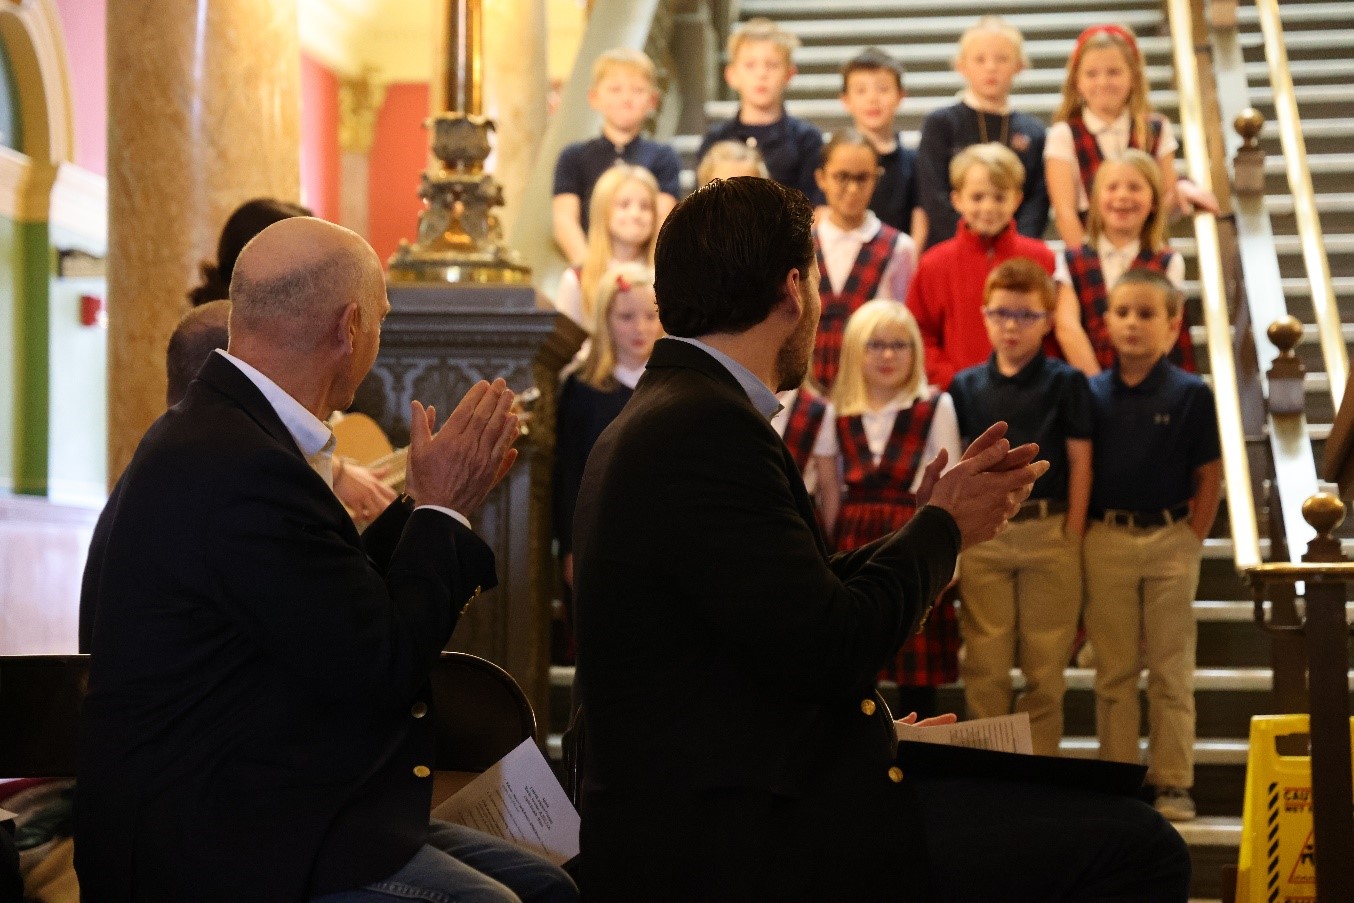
(1175, 804)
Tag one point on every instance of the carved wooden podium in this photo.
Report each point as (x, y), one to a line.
(437, 342)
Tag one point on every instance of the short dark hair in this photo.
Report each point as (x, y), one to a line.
(202, 330)
(723, 254)
(845, 138)
(872, 59)
(1173, 298)
(1020, 274)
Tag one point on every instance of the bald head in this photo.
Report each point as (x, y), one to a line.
(295, 277)
(202, 330)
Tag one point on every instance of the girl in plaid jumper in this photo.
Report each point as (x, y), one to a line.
(1126, 230)
(1106, 109)
(859, 257)
(889, 425)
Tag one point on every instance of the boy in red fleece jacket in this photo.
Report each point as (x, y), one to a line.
(946, 294)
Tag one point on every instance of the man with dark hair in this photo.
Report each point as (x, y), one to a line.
(736, 749)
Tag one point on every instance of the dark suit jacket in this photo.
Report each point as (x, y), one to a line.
(726, 665)
(252, 727)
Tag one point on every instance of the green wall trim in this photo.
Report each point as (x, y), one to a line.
(32, 341)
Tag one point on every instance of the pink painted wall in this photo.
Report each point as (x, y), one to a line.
(82, 21)
(319, 139)
(398, 154)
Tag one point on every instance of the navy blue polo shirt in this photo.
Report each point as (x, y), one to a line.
(791, 148)
(1149, 438)
(1047, 402)
(582, 163)
(895, 194)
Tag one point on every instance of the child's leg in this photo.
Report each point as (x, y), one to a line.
(987, 625)
(1048, 601)
(1113, 564)
(1169, 629)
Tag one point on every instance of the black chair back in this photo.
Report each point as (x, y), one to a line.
(482, 714)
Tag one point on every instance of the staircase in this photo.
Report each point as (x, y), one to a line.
(1233, 679)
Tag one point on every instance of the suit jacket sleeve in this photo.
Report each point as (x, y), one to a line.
(821, 630)
(289, 576)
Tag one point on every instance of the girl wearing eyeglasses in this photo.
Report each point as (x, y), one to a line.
(1126, 229)
(890, 424)
(859, 257)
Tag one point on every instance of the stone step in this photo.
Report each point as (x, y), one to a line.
(847, 9)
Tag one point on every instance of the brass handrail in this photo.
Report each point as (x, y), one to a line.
(1217, 321)
(1333, 348)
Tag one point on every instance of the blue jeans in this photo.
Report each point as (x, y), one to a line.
(461, 865)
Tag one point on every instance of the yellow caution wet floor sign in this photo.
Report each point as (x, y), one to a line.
(1277, 863)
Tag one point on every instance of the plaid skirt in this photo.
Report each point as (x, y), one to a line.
(931, 656)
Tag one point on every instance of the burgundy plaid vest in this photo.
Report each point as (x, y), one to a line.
(806, 417)
(1088, 281)
(861, 286)
(891, 480)
(1089, 156)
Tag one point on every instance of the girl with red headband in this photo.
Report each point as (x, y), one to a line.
(1106, 109)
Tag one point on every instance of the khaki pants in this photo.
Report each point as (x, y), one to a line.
(1020, 596)
(1140, 585)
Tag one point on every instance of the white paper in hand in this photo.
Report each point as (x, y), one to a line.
(519, 800)
(1007, 733)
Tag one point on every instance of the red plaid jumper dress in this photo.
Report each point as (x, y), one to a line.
(801, 430)
(861, 286)
(878, 501)
(1089, 156)
(1088, 281)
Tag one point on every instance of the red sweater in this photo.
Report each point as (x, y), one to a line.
(946, 296)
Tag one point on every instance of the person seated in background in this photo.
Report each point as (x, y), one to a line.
(246, 221)
(624, 91)
(257, 725)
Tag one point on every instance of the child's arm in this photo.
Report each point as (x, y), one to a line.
(564, 213)
(920, 224)
(1062, 178)
(897, 276)
(933, 177)
(1078, 486)
(1072, 338)
(1032, 214)
(1207, 493)
(828, 491)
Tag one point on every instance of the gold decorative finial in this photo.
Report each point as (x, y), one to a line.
(1248, 124)
(1285, 333)
(1325, 512)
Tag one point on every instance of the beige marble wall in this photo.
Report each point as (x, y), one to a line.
(203, 114)
(516, 84)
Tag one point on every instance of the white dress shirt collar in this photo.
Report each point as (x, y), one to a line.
(970, 99)
(312, 435)
(762, 398)
(628, 376)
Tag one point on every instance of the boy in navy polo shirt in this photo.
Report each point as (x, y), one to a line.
(1021, 592)
(760, 67)
(872, 91)
(624, 91)
(1153, 499)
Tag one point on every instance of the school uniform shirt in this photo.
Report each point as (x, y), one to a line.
(582, 163)
(879, 426)
(790, 148)
(1114, 262)
(841, 247)
(1112, 136)
(949, 130)
(895, 193)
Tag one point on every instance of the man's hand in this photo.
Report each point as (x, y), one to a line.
(910, 719)
(457, 466)
(362, 492)
(986, 487)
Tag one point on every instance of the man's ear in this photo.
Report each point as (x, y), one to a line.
(348, 325)
(792, 300)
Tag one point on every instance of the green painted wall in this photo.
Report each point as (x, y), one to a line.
(31, 279)
(77, 419)
(9, 366)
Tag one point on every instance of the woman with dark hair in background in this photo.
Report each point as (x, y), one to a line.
(248, 220)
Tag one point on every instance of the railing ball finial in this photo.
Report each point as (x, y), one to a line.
(1248, 124)
(1325, 512)
(1285, 333)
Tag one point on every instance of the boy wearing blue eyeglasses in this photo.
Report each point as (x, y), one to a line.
(946, 294)
(1021, 592)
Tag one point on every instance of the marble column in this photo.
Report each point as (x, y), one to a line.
(203, 100)
(515, 88)
(360, 100)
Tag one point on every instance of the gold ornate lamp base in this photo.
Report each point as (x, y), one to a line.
(459, 238)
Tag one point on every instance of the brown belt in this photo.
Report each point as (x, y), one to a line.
(1160, 517)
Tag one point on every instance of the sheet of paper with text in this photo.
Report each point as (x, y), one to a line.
(520, 800)
(1009, 733)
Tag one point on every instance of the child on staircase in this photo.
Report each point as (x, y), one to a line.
(1154, 495)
